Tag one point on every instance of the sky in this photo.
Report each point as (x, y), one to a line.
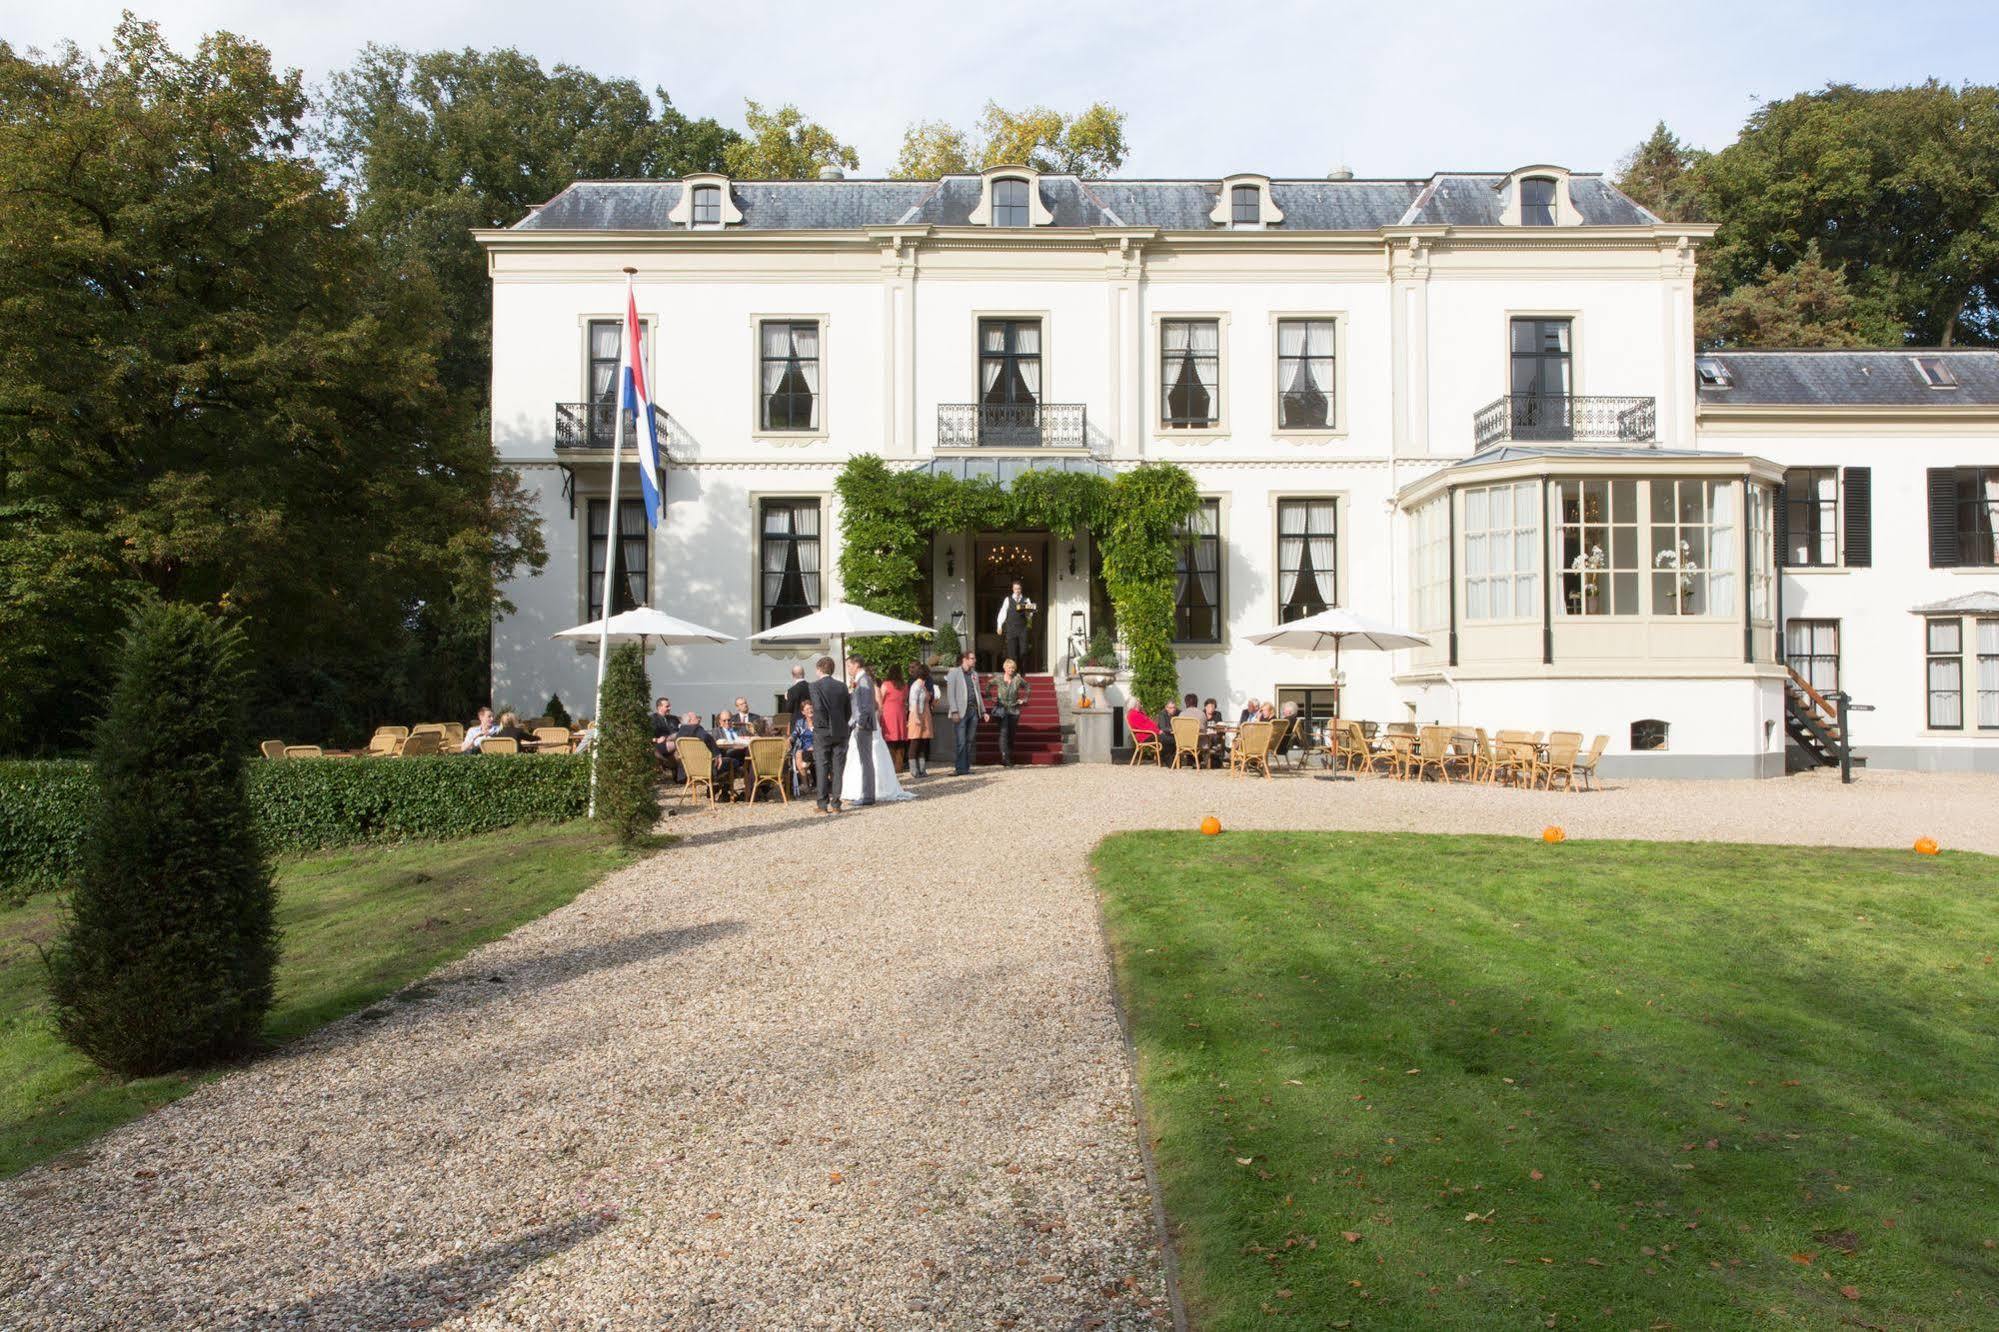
(1285, 88)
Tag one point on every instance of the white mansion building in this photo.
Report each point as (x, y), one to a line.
(1471, 405)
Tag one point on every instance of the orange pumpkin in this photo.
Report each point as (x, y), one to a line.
(1926, 846)
(1210, 826)
(1085, 702)
(1552, 834)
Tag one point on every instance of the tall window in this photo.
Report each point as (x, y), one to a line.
(789, 383)
(629, 583)
(605, 343)
(1694, 559)
(1541, 379)
(1964, 515)
(1811, 647)
(1537, 202)
(1599, 547)
(1190, 373)
(1245, 205)
(707, 205)
(789, 559)
(1502, 555)
(1010, 202)
(1305, 374)
(1762, 551)
(1317, 705)
(1009, 381)
(1197, 597)
(1988, 675)
(1811, 511)
(1946, 674)
(1430, 561)
(1307, 557)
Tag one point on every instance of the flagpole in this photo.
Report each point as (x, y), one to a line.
(612, 564)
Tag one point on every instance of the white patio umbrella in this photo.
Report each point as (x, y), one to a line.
(837, 621)
(1336, 628)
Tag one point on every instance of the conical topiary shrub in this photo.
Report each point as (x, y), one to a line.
(627, 775)
(169, 943)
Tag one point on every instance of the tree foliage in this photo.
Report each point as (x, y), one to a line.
(169, 942)
(1807, 305)
(1657, 174)
(784, 145)
(627, 796)
(1089, 143)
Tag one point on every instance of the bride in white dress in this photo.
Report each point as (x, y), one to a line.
(887, 788)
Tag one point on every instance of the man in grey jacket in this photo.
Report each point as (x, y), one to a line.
(967, 707)
(866, 719)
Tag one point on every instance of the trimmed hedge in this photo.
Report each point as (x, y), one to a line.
(305, 805)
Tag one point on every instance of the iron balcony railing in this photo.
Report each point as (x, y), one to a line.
(1559, 417)
(590, 425)
(1012, 425)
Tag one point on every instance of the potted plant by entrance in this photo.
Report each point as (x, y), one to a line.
(1099, 666)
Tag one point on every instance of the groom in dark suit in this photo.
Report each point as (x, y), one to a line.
(830, 715)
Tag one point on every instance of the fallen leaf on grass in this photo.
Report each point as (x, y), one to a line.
(1806, 1259)
(1350, 1236)
(1244, 1160)
(1535, 1175)
(1851, 1292)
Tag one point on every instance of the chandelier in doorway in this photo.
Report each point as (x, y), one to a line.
(1006, 555)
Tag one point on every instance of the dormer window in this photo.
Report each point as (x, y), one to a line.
(1935, 373)
(1537, 202)
(707, 205)
(1010, 208)
(1245, 206)
(1713, 374)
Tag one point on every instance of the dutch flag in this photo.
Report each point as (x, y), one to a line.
(639, 403)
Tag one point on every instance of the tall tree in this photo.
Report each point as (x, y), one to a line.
(932, 149)
(1805, 305)
(1898, 186)
(212, 387)
(1089, 143)
(1656, 174)
(784, 145)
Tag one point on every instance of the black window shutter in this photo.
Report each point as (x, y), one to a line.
(1783, 526)
(1859, 517)
(1943, 518)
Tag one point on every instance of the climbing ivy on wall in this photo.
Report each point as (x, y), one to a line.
(888, 518)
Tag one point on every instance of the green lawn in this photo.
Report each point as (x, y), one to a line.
(1472, 1082)
(358, 924)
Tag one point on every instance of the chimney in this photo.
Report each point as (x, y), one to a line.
(831, 173)
(1340, 173)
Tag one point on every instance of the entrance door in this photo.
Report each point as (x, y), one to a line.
(997, 561)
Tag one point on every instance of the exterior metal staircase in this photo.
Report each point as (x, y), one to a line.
(1812, 721)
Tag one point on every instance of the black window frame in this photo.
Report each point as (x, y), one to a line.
(1287, 367)
(1310, 718)
(1814, 662)
(1005, 209)
(1241, 214)
(1801, 505)
(632, 532)
(1932, 656)
(1977, 518)
(768, 606)
(1313, 604)
(1183, 361)
(1538, 212)
(766, 416)
(707, 199)
(1186, 609)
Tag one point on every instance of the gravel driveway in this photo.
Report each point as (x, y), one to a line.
(795, 1072)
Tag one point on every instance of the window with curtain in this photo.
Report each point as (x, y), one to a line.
(707, 205)
(1811, 508)
(1305, 374)
(605, 343)
(790, 374)
(1010, 360)
(1429, 562)
(1541, 366)
(1502, 551)
(1010, 203)
(1307, 557)
(1762, 551)
(1946, 674)
(1811, 648)
(1245, 205)
(1977, 515)
(629, 584)
(1197, 597)
(1537, 202)
(1988, 675)
(788, 556)
(1694, 558)
(1599, 546)
(1190, 373)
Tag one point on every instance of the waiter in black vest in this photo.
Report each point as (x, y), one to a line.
(1015, 614)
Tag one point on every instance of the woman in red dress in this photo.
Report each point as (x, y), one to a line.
(894, 710)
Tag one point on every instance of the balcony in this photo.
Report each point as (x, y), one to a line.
(1553, 418)
(1012, 425)
(591, 425)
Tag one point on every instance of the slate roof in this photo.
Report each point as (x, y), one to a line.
(1883, 378)
(1453, 199)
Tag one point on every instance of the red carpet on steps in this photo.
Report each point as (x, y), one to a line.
(1038, 738)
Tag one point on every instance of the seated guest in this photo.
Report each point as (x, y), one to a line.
(584, 737)
(803, 782)
(741, 719)
(665, 727)
(1168, 745)
(1212, 740)
(1250, 712)
(1143, 729)
(510, 727)
(1267, 713)
(476, 733)
(725, 764)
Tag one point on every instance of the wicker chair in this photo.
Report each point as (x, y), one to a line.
(1187, 741)
(454, 734)
(304, 751)
(428, 728)
(1432, 753)
(779, 725)
(419, 745)
(1396, 756)
(1586, 765)
(272, 749)
(767, 754)
(553, 739)
(382, 744)
(498, 744)
(1252, 748)
(1561, 761)
(698, 762)
(1280, 740)
(1147, 745)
